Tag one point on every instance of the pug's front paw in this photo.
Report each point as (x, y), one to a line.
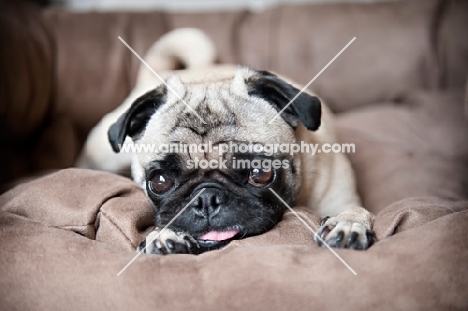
(167, 241)
(341, 233)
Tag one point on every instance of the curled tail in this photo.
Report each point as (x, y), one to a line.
(189, 47)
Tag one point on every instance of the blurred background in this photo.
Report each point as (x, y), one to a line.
(178, 5)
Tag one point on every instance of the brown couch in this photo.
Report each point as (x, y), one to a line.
(400, 95)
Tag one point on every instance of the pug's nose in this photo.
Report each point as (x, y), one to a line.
(209, 202)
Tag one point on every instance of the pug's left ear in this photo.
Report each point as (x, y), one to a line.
(278, 93)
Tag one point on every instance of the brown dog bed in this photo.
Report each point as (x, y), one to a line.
(66, 236)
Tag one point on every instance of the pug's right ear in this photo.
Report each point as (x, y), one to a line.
(133, 122)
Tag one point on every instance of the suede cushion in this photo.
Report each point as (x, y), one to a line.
(414, 148)
(66, 236)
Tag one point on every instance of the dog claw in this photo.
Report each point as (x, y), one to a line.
(324, 220)
(170, 244)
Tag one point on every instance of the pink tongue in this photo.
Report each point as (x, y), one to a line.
(219, 235)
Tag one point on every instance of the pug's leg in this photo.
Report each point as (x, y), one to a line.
(352, 228)
(167, 241)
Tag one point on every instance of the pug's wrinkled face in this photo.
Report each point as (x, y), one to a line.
(207, 156)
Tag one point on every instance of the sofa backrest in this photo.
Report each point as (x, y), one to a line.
(395, 51)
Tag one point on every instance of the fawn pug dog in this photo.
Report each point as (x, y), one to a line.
(230, 109)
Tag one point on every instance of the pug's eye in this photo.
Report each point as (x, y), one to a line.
(259, 177)
(160, 184)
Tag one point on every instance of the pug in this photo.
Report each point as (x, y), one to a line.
(207, 197)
